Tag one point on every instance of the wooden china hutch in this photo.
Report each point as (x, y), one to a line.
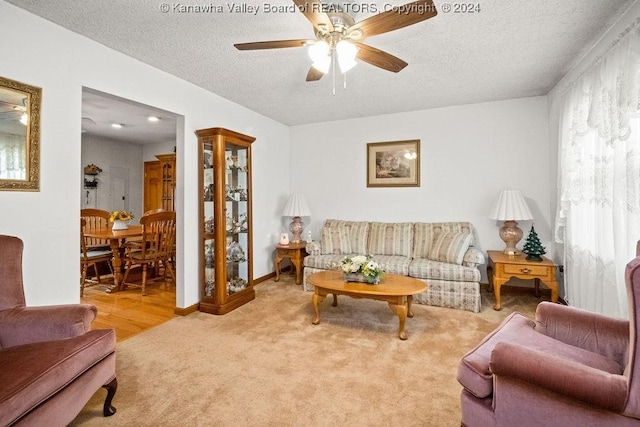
(225, 235)
(160, 183)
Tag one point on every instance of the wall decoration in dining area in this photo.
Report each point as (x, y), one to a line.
(393, 164)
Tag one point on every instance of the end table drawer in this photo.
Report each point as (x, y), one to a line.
(288, 253)
(525, 269)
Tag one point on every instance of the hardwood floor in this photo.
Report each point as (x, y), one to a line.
(130, 313)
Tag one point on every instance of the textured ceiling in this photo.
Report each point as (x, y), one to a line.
(507, 49)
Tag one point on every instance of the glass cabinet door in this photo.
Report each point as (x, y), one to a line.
(237, 217)
(208, 223)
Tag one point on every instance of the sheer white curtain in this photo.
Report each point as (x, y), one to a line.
(598, 218)
(13, 155)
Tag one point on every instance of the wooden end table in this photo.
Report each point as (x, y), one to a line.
(397, 291)
(503, 267)
(296, 253)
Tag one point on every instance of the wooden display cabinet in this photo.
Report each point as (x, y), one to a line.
(226, 269)
(160, 183)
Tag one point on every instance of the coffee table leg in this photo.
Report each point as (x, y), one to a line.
(401, 310)
(409, 303)
(317, 299)
(335, 300)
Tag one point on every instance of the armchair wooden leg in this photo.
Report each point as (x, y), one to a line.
(108, 409)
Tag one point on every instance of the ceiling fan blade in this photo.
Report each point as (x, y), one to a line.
(408, 14)
(379, 58)
(314, 74)
(312, 10)
(275, 44)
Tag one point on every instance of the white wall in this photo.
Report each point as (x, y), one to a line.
(468, 154)
(149, 151)
(111, 156)
(61, 63)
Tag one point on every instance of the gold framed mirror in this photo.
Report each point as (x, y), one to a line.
(19, 136)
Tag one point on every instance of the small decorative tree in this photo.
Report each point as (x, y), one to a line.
(532, 247)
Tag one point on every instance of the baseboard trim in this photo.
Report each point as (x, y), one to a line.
(180, 311)
(264, 278)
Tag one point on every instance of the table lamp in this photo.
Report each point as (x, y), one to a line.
(510, 208)
(296, 207)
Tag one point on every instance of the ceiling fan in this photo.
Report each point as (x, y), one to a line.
(339, 37)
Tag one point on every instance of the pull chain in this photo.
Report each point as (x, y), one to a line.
(333, 70)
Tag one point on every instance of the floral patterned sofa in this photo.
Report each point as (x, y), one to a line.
(441, 254)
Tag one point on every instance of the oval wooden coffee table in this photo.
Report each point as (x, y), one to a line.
(396, 290)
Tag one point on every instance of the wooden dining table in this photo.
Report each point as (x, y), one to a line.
(116, 239)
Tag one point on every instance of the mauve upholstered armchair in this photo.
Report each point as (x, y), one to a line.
(51, 363)
(568, 367)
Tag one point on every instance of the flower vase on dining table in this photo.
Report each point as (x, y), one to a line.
(120, 224)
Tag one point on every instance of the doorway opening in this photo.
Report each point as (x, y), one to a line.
(120, 137)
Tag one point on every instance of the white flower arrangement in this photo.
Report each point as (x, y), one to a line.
(361, 264)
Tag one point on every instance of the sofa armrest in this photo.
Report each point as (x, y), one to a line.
(313, 248)
(25, 325)
(562, 376)
(595, 332)
(473, 258)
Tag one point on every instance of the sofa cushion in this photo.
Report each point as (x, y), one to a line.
(394, 264)
(390, 238)
(428, 269)
(450, 247)
(358, 233)
(391, 263)
(32, 373)
(425, 233)
(335, 240)
(324, 262)
(474, 373)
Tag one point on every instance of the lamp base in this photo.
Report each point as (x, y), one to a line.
(296, 227)
(510, 234)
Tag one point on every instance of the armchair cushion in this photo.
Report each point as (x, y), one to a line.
(562, 376)
(474, 371)
(595, 332)
(51, 366)
(24, 325)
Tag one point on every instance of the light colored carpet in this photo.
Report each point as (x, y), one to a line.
(265, 364)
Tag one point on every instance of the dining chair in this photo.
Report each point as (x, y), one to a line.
(91, 257)
(96, 218)
(136, 242)
(158, 236)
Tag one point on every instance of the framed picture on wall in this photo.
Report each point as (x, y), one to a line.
(393, 164)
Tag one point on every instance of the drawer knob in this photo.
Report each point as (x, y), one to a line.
(525, 270)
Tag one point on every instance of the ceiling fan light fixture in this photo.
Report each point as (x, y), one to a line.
(318, 51)
(322, 64)
(346, 55)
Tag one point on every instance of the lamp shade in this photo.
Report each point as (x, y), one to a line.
(296, 206)
(511, 206)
